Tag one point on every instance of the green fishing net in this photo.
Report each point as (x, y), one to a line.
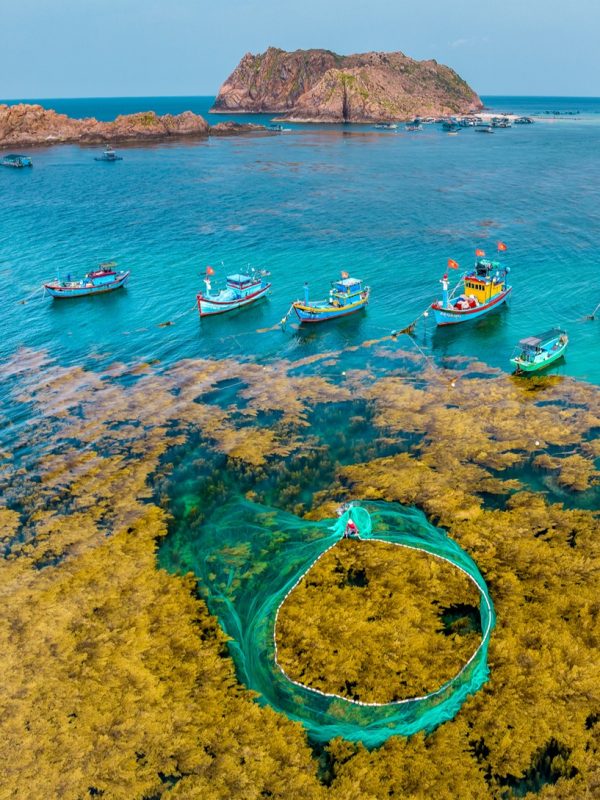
(248, 558)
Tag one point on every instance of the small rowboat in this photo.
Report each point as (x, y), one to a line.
(484, 289)
(16, 161)
(535, 353)
(104, 279)
(346, 296)
(241, 290)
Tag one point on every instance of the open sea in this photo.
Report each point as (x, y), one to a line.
(388, 207)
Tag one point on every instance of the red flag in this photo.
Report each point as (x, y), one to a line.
(452, 264)
(502, 247)
(210, 271)
(345, 275)
(479, 253)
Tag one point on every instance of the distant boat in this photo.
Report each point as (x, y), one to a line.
(16, 161)
(501, 122)
(386, 126)
(484, 289)
(108, 154)
(415, 125)
(101, 280)
(240, 290)
(450, 126)
(535, 353)
(484, 129)
(277, 128)
(346, 296)
(523, 121)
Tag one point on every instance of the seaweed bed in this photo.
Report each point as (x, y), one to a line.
(116, 680)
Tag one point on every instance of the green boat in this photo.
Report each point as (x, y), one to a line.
(535, 353)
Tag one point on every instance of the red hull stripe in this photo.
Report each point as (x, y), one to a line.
(229, 303)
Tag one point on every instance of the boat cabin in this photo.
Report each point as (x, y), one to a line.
(535, 344)
(241, 282)
(486, 281)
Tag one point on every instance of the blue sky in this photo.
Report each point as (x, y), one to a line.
(89, 48)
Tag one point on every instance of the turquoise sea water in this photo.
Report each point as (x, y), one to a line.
(390, 208)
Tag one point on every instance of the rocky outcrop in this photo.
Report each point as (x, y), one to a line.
(23, 124)
(321, 86)
(234, 128)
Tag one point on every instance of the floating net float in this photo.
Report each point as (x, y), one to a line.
(248, 559)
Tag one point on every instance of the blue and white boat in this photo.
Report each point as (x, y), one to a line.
(101, 280)
(240, 290)
(278, 128)
(346, 296)
(16, 161)
(108, 154)
(483, 290)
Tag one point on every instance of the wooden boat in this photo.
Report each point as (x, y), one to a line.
(483, 290)
(346, 296)
(537, 352)
(240, 290)
(108, 154)
(16, 161)
(101, 280)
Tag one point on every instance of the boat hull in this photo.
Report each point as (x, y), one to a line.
(59, 292)
(454, 316)
(311, 314)
(209, 308)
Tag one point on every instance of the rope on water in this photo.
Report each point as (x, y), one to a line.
(40, 289)
(593, 314)
(176, 317)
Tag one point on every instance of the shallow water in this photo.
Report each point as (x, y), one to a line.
(389, 207)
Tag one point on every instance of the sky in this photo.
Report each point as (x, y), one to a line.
(126, 48)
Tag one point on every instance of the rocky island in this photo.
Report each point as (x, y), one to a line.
(322, 86)
(33, 125)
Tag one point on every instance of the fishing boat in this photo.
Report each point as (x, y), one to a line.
(108, 154)
(103, 279)
(346, 296)
(535, 353)
(277, 128)
(386, 126)
(240, 290)
(483, 290)
(450, 126)
(16, 161)
(484, 129)
(415, 125)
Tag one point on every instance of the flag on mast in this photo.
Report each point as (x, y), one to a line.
(479, 253)
(452, 264)
(502, 248)
(210, 271)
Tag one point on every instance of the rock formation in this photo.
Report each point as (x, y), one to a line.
(321, 86)
(35, 125)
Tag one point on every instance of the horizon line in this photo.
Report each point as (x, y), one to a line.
(169, 96)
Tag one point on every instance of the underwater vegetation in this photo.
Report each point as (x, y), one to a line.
(115, 679)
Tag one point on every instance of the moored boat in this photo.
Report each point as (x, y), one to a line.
(483, 290)
(16, 161)
(346, 296)
(415, 125)
(386, 126)
(278, 128)
(535, 353)
(108, 154)
(103, 279)
(240, 290)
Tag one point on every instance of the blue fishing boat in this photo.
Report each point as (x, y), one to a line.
(535, 353)
(450, 126)
(240, 290)
(16, 161)
(108, 154)
(483, 289)
(101, 280)
(346, 296)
